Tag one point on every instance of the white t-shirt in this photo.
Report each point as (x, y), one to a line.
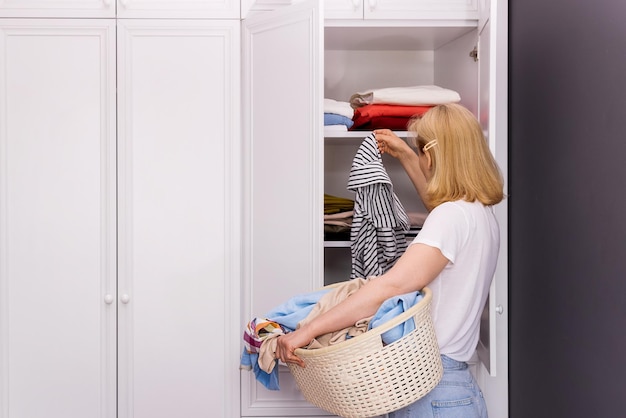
(467, 234)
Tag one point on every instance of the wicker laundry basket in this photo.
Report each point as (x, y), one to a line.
(361, 377)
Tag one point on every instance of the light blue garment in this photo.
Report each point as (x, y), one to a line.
(391, 308)
(289, 313)
(456, 396)
(251, 361)
(335, 119)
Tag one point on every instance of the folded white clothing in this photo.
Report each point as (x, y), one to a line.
(425, 95)
(339, 108)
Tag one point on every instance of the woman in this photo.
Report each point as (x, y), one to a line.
(454, 254)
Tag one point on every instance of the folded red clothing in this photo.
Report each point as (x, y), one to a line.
(379, 116)
(389, 110)
(381, 122)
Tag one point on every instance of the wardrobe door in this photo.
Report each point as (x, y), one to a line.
(57, 8)
(179, 322)
(57, 219)
(484, 11)
(493, 116)
(343, 9)
(283, 178)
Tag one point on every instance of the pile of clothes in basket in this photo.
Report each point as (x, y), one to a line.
(260, 333)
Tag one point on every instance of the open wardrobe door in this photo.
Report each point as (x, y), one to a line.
(493, 117)
(283, 175)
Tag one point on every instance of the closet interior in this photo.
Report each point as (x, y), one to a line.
(364, 58)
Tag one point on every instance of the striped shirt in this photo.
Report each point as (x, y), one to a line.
(380, 223)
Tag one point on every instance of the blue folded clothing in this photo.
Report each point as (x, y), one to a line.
(335, 119)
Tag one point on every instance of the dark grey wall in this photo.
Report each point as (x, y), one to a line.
(567, 208)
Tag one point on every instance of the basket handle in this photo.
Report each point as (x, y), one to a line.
(404, 316)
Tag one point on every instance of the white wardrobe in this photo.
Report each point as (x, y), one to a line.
(162, 171)
(119, 256)
(293, 58)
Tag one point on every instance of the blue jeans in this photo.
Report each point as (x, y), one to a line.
(456, 396)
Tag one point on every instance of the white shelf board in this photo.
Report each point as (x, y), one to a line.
(396, 38)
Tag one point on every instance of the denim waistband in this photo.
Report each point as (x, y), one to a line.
(451, 364)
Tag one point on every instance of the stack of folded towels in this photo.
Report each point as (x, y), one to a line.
(393, 107)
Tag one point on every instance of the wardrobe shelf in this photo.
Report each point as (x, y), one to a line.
(352, 137)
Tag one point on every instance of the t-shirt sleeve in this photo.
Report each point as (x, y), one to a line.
(445, 228)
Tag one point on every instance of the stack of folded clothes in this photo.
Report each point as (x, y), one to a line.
(338, 214)
(393, 107)
(337, 115)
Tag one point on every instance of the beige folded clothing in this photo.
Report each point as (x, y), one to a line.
(267, 357)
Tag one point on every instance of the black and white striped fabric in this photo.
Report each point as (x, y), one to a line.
(380, 223)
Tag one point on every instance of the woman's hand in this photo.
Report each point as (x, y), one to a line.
(390, 143)
(286, 346)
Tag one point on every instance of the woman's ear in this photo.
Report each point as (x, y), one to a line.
(429, 161)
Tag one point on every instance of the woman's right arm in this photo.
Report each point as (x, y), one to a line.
(417, 267)
(390, 143)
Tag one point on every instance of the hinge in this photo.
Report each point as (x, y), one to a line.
(474, 54)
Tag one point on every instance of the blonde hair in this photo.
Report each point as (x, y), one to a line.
(463, 167)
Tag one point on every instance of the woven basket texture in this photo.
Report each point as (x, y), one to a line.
(361, 377)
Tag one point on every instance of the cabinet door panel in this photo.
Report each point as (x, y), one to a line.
(493, 116)
(484, 11)
(283, 152)
(179, 324)
(176, 9)
(57, 218)
(57, 8)
(283, 178)
(343, 9)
